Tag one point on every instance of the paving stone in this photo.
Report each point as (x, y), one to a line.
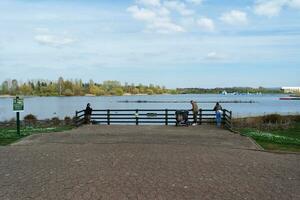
(145, 162)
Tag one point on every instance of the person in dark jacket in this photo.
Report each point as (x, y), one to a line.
(87, 113)
(218, 109)
(195, 111)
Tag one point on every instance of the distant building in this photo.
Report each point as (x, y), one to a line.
(291, 89)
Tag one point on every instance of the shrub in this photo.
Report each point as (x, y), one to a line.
(55, 121)
(68, 120)
(117, 92)
(68, 92)
(30, 119)
(272, 119)
(267, 122)
(297, 118)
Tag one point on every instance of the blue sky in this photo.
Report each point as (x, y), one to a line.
(182, 43)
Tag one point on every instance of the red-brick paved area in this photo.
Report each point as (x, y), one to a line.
(145, 162)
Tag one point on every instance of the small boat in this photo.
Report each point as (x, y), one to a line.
(289, 98)
(224, 92)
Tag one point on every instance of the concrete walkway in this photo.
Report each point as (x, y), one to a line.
(145, 162)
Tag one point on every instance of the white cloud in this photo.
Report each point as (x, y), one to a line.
(196, 2)
(149, 2)
(53, 40)
(214, 56)
(206, 24)
(294, 4)
(235, 17)
(157, 19)
(273, 8)
(142, 13)
(165, 26)
(180, 7)
(269, 8)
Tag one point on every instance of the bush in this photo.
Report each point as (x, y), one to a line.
(68, 92)
(68, 120)
(55, 121)
(297, 118)
(117, 92)
(272, 119)
(267, 122)
(30, 119)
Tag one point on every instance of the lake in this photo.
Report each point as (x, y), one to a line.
(48, 107)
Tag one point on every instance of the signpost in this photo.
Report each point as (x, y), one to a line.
(18, 106)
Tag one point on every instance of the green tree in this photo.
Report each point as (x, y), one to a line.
(149, 91)
(14, 87)
(117, 91)
(60, 85)
(26, 89)
(5, 87)
(68, 92)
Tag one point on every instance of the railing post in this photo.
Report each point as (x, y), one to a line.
(166, 117)
(223, 119)
(76, 118)
(230, 117)
(200, 116)
(136, 117)
(108, 117)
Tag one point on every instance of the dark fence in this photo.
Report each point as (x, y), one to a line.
(150, 116)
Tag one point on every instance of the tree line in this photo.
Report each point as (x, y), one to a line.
(240, 90)
(76, 87)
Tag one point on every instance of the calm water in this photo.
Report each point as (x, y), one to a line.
(48, 107)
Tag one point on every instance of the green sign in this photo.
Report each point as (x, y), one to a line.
(18, 104)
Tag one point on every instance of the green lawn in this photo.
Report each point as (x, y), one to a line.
(9, 135)
(285, 140)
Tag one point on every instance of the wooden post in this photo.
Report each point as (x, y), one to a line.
(223, 119)
(108, 117)
(230, 117)
(76, 118)
(136, 117)
(166, 117)
(200, 116)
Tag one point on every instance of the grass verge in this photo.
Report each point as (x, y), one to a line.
(281, 139)
(9, 135)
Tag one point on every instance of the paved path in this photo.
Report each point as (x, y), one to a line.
(145, 162)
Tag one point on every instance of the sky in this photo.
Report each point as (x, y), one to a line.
(175, 43)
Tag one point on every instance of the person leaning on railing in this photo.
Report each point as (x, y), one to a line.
(195, 111)
(87, 113)
(219, 110)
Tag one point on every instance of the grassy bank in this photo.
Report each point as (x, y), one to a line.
(272, 132)
(9, 135)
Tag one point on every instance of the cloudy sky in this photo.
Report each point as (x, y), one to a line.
(176, 43)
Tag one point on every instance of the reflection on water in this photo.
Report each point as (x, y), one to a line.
(48, 107)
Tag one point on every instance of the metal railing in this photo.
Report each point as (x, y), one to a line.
(150, 116)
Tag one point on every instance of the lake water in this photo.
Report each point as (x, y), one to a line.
(48, 107)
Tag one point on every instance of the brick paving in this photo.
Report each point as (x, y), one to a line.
(145, 162)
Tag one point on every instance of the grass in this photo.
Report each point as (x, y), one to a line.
(9, 135)
(280, 139)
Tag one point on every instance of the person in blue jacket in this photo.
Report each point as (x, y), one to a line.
(218, 109)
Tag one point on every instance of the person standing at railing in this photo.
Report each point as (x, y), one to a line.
(218, 109)
(195, 111)
(87, 113)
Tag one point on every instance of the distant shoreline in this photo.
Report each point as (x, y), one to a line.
(124, 95)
